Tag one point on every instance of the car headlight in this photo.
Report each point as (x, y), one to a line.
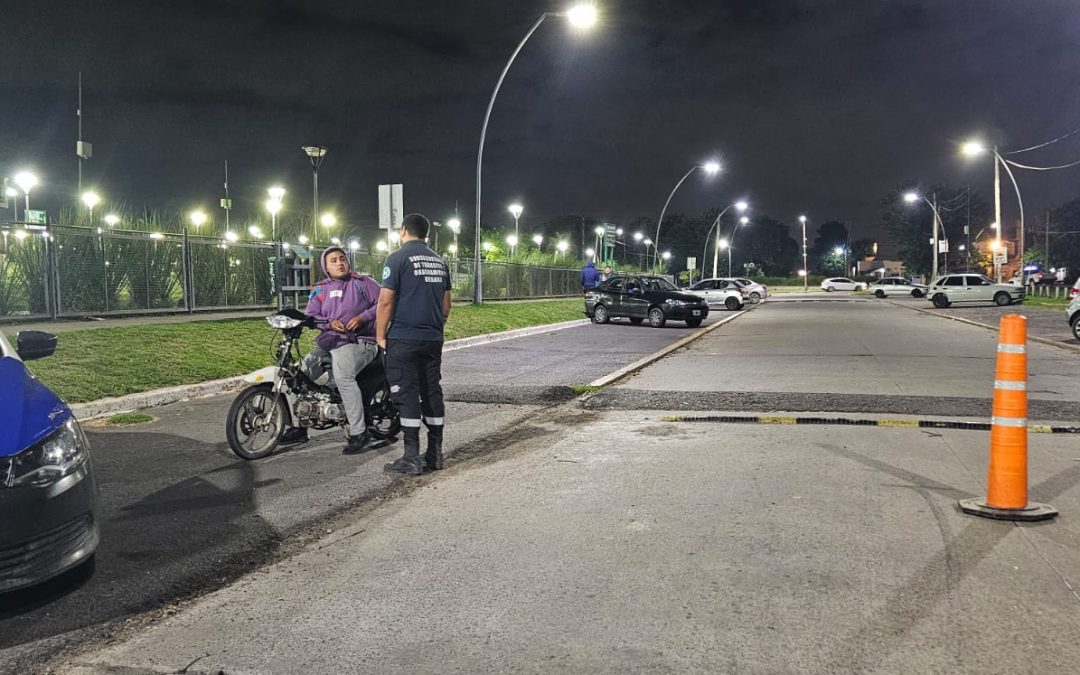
(674, 303)
(60, 454)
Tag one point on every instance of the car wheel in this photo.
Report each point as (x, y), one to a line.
(657, 318)
(732, 303)
(879, 294)
(830, 289)
(940, 301)
(916, 293)
(636, 320)
(1001, 299)
(1076, 326)
(693, 323)
(755, 297)
(600, 314)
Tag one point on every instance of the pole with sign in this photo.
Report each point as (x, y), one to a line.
(691, 265)
(391, 209)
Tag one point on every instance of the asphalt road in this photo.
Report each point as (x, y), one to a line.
(180, 513)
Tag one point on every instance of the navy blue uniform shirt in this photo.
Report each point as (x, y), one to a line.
(419, 277)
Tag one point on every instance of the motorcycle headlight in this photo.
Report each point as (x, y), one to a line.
(47, 461)
(282, 322)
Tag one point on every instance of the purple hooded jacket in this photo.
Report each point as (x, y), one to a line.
(342, 299)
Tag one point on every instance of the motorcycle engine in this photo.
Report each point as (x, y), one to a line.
(317, 410)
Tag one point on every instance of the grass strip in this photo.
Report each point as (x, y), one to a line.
(126, 419)
(100, 362)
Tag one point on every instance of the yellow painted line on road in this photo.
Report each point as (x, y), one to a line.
(901, 424)
(883, 423)
(767, 419)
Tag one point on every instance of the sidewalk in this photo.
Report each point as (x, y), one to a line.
(616, 542)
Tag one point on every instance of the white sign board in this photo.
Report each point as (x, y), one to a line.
(943, 245)
(391, 209)
(691, 263)
(1001, 256)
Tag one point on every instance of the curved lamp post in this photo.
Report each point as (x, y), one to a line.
(805, 270)
(26, 182)
(974, 149)
(316, 154)
(739, 206)
(911, 198)
(742, 221)
(711, 168)
(581, 16)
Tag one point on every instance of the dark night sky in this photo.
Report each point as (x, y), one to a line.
(813, 106)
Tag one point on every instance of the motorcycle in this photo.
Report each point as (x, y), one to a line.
(283, 396)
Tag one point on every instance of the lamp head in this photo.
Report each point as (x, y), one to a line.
(599, 230)
(273, 206)
(302, 239)
(231, 236)
(112, 219)
(276, 192)
(516, 209)
(582, 16)
(380, 246)
(255, 231)
(839, 250)
(315, 151)
(512, 240)
(711, 168)
(198, 218)
(26, 181)
(741, 206)
(455, 225)
(328, 220)
(562, 246)
(91, 199)
(972, 149)
(666, 255)
(744, 220)
(452, 248)
(538, 239)
(911, 197)
(354, 246)
(802, 219)
(589, 253)
(723, 244)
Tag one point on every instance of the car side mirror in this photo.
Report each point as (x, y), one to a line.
(35, 344)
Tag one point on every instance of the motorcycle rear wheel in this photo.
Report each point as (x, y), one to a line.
(246, 438)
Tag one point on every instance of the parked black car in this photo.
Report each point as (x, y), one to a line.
(644, 297)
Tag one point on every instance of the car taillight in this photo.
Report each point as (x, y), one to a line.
(1074, 292)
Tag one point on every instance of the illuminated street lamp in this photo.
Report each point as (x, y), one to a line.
(13, 194)
(302, 239)
(538, 239)
(977, 148)
(512, 242)
(515, 211)
(589, 253)
(452, 248)
(739, 206)
(112, 219)
(197, 218)
(354, 245)
(710, 168)
(581, 17)
(231, 236)
(91, 199)
(455, 226)
(937, 226)
(274, 206)
(255, 231)
(328, 220)
(561, 247)
(380, 246)
(802, 272)
(26, 182)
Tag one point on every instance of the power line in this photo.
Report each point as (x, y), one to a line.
(1043, 145)
(1043, 168)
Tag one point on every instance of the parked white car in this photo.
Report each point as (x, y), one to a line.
(1073, 313)
(755, 292)
(720, 293)
(969, 288)
(896, 286)
(842, 284)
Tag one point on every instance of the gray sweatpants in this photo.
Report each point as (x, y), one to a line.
(346, 362)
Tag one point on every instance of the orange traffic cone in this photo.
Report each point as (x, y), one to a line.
(1007, 484)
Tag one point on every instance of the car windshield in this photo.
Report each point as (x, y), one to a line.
(657, 284)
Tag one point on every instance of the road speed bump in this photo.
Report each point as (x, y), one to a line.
(1007, 481)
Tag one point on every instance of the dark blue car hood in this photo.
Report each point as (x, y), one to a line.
(28, 410)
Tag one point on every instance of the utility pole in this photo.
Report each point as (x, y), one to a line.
(1046, 263)
(226, 203)
(997, 209)
(934, 242)
(83, 150)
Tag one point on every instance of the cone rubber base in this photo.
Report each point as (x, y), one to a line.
(1033, 511)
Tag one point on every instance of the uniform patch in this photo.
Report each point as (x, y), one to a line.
(337, 294)
(385, 273)
(394, 388)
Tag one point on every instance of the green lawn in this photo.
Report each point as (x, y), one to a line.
(1041, 301)
(98, 362)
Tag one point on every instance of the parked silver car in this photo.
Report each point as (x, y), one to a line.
(1073, 312)
(972, 288)
(720, 293)
(883, 288)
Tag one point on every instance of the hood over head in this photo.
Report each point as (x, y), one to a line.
(590, 264)
(322, 258)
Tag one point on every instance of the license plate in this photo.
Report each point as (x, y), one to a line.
(696, 312)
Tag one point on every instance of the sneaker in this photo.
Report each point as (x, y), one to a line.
(357, 444)
(293, 435)
(412, 467)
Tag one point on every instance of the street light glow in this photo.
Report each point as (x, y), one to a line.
(328, 220)
(273, 206)
(335, 241)
(198, 218)
(723, 244)
(20, 234)
(802, 273)
(972, 149)
(741, 206)
(454, 224)
(302, 239)
(354, 246)
(26, 181)
(112, 219)
(538, 239)
(380, 246)
(744, 220)
(562, 246)
(648, 242)
(487, 246)
(452, 248)
(802, 219)
(711, 167)
(589, 253)
(618, 231)
(638, 236)
(255, 231)
(91, 199)
(582, 16)
(911, 197)
(511, 240)
(276, 193)
(599, 230)
(516, 209)
(231, 236)
(11, 192)
(666, 255)
(839, 250)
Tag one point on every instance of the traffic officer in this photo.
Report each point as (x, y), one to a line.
(414, 303)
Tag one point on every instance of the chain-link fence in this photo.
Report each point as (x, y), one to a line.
(70, 271)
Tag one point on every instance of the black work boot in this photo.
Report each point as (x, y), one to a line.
(293, 435)
(433, 457)
(409, 463)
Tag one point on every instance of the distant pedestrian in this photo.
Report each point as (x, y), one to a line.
(414, 304)
(590, 277)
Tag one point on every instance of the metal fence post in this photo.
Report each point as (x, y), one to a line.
(52, 276)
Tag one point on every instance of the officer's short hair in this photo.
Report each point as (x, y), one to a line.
(417, 225)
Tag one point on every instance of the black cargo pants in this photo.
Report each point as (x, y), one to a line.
(414, 371)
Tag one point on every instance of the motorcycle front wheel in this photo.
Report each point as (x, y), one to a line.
(255, 424)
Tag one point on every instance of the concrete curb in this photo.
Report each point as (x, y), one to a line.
(159, 397)
(1032, 338)
(619, 374)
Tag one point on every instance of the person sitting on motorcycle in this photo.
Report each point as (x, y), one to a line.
(343, 305)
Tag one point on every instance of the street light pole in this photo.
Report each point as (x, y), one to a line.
(315, 153)
(710, 168)
(806, 272)
(731, 244)
(580, 16)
